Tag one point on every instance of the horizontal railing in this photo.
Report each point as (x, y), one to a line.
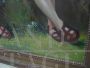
(26, 60)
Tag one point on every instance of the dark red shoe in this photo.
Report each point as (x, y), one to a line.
(71, 35)
(4, 32)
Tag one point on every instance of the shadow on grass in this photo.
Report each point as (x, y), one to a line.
(81, 44)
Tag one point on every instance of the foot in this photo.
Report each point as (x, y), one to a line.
(71, 35)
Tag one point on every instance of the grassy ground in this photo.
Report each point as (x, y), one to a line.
(43, 45)
(39, 44)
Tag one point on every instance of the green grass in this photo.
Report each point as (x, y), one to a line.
(40, 45)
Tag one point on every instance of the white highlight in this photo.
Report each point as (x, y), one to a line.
(71, 32)
(55, 35)
(52, 31)
(0, 31)
(67, 29)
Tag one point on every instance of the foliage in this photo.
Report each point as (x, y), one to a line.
(16, 12)
(43, 45)
(21, 13)
(36, 27)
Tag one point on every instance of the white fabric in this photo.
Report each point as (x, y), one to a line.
(6, 66)
(48, 9)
